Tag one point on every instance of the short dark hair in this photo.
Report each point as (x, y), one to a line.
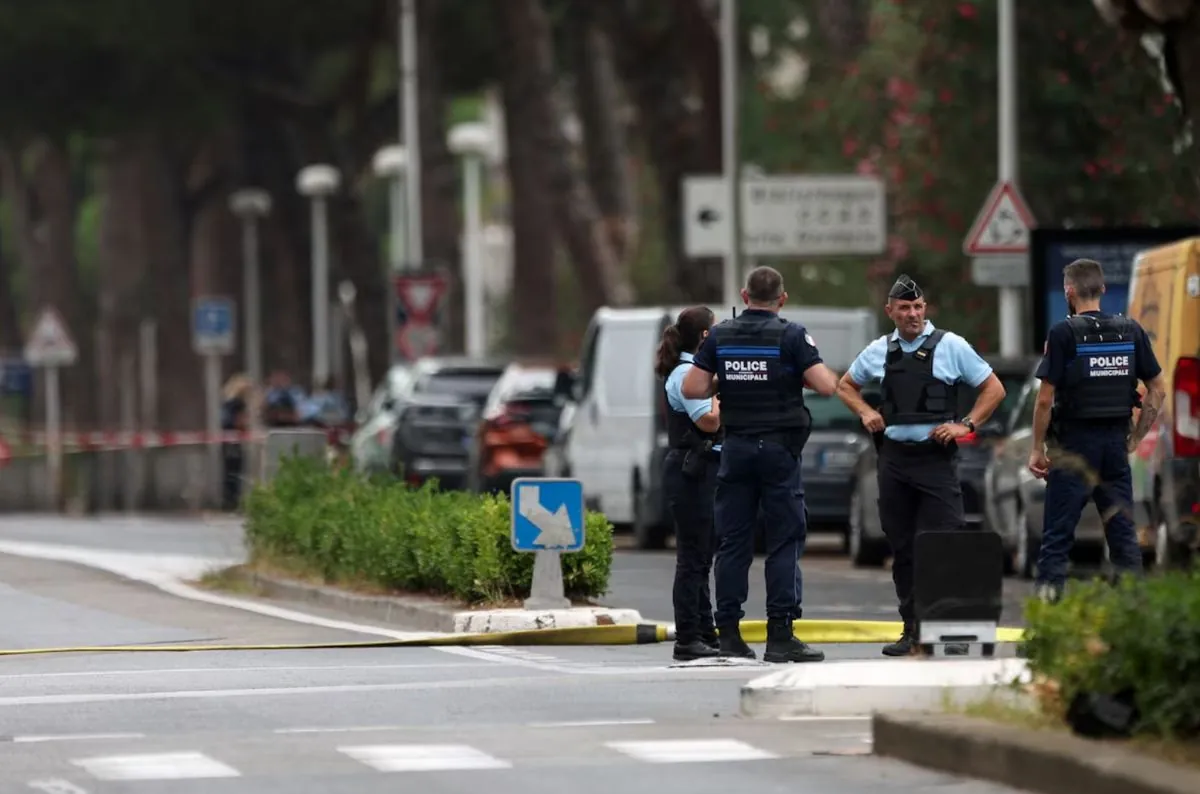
(1087, 277)
(764, 285)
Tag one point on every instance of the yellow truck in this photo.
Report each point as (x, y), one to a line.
(1164, 297)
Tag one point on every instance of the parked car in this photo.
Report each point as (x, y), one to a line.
(518, 424)
(435, 425)
(371, 443)
(1015, 499)
(866, 543)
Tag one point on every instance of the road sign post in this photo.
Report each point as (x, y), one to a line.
(50, 346)
(214, 334)
(787, 215)
(548, 520)
(998, 244)
(418, 298)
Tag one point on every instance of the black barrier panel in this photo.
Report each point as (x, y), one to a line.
(959, 576)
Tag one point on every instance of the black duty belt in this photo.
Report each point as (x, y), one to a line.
(915, 448)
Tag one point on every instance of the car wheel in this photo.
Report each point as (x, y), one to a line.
(864, 552)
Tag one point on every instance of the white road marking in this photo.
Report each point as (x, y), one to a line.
(161, 766)
(819, 718)
(77, 737)
(56, 786)
(351, 729)
(423, 757)
(589, 723)
(225, 670)
(690, 751)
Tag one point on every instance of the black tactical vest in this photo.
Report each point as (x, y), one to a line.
(759, 392)
(1101, 380)
(911, 394)
(682, 432)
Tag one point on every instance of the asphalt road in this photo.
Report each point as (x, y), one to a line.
(588, 719)
(833, 589)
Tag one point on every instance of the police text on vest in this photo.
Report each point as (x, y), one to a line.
(1108, 366)
(754, 369)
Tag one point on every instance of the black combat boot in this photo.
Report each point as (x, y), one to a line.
(905, 646)
(709, 638)
(732, 644)
(783, 647)
(693, 649)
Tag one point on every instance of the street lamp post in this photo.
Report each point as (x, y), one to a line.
(251, 204)
(318, 182)
(391, 163)
(473, 142)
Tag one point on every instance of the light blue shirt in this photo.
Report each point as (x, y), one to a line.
(693, 408)
(954, 360)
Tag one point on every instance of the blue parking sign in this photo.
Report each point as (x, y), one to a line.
(213, 325)
(547, 514)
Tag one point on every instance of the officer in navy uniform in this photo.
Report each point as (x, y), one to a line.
(1089, 373)
(761, 363)
(689, 480)
(920, 369)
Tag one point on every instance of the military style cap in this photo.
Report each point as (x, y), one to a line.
(905, 289)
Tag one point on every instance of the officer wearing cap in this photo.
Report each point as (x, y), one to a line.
(920, 369)
(1089, 373)
(761, 363)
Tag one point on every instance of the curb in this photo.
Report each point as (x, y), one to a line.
(414, 612)
(1039, 761)
(862, 687)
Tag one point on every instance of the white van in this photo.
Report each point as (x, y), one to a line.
(610, 431)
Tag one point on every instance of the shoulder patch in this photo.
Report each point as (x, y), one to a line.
(811, 342)
(1046, 348)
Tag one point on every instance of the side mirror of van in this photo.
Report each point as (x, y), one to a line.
(565, 384)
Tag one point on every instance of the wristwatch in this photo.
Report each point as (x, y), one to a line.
(967, 423)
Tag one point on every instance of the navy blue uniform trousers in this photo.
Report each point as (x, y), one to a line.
(691, 500)
(1101, 452)
(758, 474)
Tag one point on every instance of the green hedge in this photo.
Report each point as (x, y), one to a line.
(1140, 638)
(345, 528)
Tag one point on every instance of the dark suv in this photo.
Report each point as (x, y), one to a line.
(437, 417)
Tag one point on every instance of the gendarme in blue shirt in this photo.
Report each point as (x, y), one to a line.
(954, 360)
(693, 408)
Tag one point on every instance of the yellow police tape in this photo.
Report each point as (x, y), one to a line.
(814, 631)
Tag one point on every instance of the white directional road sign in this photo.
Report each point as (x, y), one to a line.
(787, 215)
(213, 327)
(50, 343)
(547, 514)
(1003, 224)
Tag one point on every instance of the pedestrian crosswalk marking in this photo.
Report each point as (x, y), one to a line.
(159, 766)
(690, 751)
(423, 757)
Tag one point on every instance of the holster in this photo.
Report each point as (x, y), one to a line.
(696, 459)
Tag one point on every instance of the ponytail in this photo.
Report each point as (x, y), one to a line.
(684, 336)
(667, 357)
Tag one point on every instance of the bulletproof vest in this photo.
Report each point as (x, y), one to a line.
(1101, 380)
(911, 394)
(682, 432)
(759, 393)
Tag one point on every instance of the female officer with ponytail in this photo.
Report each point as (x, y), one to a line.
(690, 482)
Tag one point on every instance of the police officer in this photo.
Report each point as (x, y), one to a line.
(1089, 372)
(761, 363)
(920, 369)
(690, 481)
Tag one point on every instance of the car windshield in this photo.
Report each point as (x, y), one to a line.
(830, 413)
(473, 384)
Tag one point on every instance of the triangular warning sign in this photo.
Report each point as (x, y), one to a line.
(50, 343)
(420, 295)
(1002, 226)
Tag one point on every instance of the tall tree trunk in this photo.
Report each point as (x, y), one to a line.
(530, 48)
(600, 107)
(441, 226)
(532, 305)
(37, 183)
(655, 64)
